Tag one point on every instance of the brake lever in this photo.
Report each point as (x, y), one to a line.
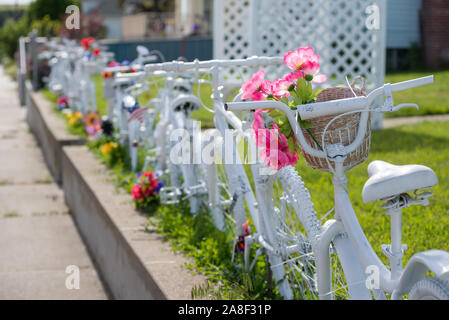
(405, 105)
(389, 102)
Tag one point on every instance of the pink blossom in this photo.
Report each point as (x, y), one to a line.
(279, 88)
(312, 68)
(62, 100)
(275, 152)
(295, 59)
(292, 77)
(252, 87)
(259, 123)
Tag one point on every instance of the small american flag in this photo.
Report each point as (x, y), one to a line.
(137, 114)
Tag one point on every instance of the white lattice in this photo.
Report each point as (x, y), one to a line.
(336, 29)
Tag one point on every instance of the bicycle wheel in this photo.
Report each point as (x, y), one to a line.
(430, 289)
(291, 260)
(296, 226)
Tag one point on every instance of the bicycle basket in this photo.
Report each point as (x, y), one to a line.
(342, 130)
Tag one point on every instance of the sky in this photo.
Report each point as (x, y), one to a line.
(14, 1)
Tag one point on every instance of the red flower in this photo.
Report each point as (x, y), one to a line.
(86, 42)
(137, 193)
(96, 52)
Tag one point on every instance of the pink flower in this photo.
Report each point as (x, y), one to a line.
(279, 88)
(275, 152)
(312, 68)
(62, 100)
(295, 59)
(292, 77)
(136, 192)
(252, 87)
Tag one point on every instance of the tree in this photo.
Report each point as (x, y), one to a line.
(44, 15)
(38, 9)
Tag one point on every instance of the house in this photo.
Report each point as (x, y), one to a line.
(194, 17)
(110, 12)
(417, 31)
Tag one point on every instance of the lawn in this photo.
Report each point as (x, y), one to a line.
(423, 227)
(432, 99)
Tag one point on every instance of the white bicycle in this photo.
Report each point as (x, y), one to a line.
(338, 252)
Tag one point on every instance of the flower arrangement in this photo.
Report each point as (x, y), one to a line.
(86, 42)
(272, 130)
(108, 147)
(92, 51)
(146, 189)
(92, 123)
(74, 118)
(63, 103)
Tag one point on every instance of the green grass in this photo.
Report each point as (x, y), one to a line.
(423, 227)
(102, 103)
(431, 99)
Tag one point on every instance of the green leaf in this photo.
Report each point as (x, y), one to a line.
(304, 124)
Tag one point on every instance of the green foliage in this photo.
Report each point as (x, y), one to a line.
(9, 35)
(39, 9)
(43, 15)
(102, 103)
(46, 26)
(211, 252)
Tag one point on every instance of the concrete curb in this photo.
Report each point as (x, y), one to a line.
(135, 264)
(49, 129)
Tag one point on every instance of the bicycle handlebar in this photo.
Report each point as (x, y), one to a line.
(180, 66)
(313, 110)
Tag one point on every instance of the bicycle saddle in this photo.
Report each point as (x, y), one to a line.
(387, 180)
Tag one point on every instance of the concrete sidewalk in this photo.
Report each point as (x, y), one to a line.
(38, 238)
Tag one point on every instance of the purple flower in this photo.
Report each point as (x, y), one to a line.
(160, 184)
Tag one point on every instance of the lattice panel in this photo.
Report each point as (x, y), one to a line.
(232, 21)
(335, 28)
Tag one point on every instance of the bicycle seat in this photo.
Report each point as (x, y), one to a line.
(387, 180)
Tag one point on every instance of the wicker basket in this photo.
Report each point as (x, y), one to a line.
(343, 130)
